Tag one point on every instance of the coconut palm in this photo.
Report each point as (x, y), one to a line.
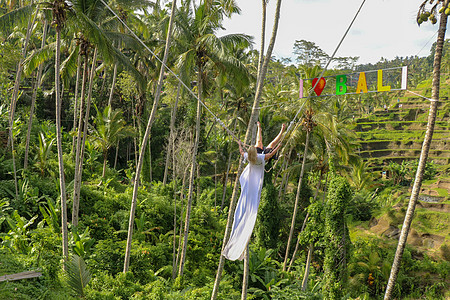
(59, 13)
(6, 21)
(426, 142)
(253, 118)
(88, 14)
(202, 51)
(145, 139)
(33, 97)
(310, 117)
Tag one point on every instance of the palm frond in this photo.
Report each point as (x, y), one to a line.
(69, 66)
(105, 46)
(78, 275)
(135, 4)
(17, 17)
(37, 57)
(186, 62)
(125, 39)
(237, 40)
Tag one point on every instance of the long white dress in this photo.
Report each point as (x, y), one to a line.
(251, 181)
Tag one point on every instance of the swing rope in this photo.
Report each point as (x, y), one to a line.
(317, 82)
(176, 76)
(429, 99)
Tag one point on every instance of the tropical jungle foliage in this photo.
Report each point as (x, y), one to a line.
(77, 89)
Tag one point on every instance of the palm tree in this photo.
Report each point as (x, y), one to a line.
(171, 134)
(59, 10)
(425, 146)
(33, 98)
(110, 128)
(145, 139)
(90, 32)
(309, 122)
(253, 118)
(203, 50)
(6, 21)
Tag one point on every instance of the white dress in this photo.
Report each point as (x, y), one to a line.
(251, 181)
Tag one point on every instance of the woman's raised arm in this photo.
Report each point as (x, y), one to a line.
(274, 151)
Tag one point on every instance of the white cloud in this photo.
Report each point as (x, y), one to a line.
(384, 28)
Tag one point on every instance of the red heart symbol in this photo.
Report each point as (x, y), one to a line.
(320, 86)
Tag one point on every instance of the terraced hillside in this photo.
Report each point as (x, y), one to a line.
(396, 133)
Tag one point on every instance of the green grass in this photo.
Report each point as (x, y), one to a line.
(433, 222)
(441, 192)
(27, 289)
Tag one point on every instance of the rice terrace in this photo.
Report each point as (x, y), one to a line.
(229, 149)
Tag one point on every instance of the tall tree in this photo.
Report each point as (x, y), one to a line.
(37, 84)
(146, 139)
(59, 9)
(251, 125)
(6, 22)
(309, 122)
(196, 31)
(309, 54)
(426, 142)
(88, 14)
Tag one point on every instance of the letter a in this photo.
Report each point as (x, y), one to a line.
(341, 87)
(362, 83)
(380, 87)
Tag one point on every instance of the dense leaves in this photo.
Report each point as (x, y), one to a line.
(334, 206)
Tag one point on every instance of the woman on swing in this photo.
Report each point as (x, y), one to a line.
(251, 184)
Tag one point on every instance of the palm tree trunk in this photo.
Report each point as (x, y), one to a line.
(150, 160)
(253, 119)
(215, 181)
(183, 186)
(304, 222)
(192, 174)
(75, 106)
(62, 183)
(227, 171)
(263, 38)
(422, 160)
(79, 167)
(75, 196)
(297, 198)
(145, 141)
(15, 94)
(14, 99)
(134, 117)
(33, 99)
(174, 178)
(113, 85)
(285, 177)
(105, 160)
(117, 154)
(307, 267)
(246, 273)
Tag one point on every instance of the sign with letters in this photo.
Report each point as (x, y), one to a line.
(384, 80)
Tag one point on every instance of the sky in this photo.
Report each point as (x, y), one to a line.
(383, 28)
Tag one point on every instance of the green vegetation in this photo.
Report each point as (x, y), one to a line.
(344, 234)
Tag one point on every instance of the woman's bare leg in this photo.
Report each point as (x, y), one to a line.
(277, 139)
(259, 143)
